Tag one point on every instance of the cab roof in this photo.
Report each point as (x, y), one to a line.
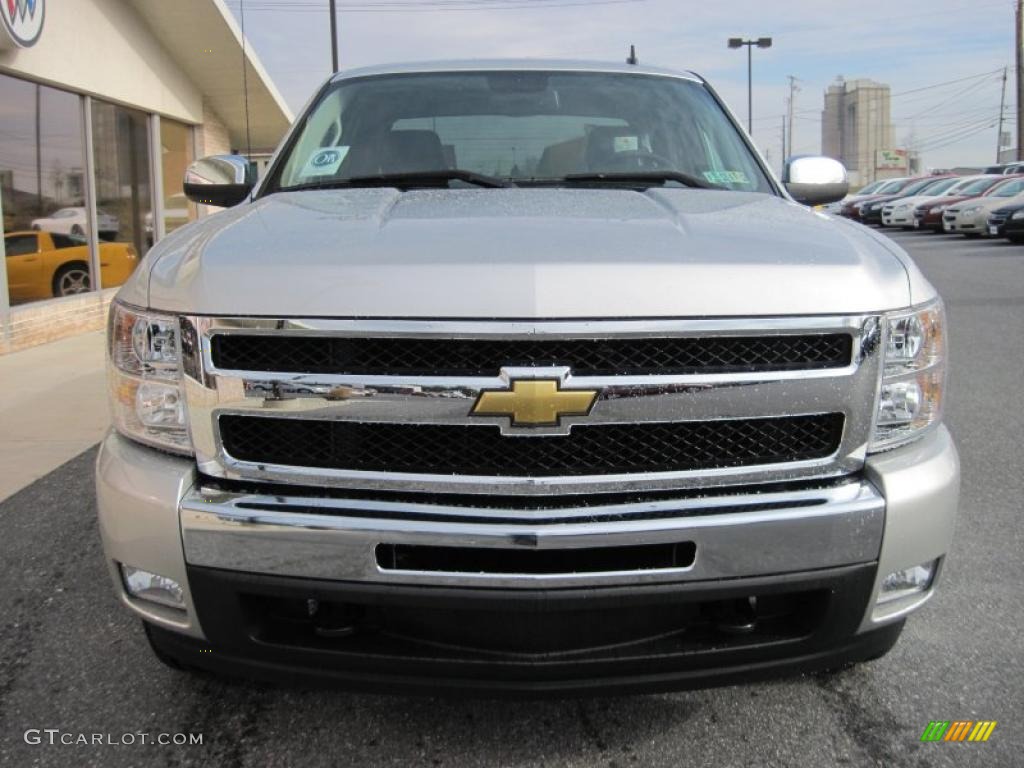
(513, 65)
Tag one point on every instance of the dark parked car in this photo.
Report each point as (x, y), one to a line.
(846, 205)
(871, 210)
(929, 215)
(1008, 222)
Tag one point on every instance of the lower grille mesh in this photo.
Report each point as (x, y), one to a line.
(483, 450)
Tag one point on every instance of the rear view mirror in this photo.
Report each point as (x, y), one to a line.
(221, 180)
(815, 180)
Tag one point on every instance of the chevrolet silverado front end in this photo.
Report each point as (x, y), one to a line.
(571, 405)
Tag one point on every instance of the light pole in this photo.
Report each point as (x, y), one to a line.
(334, 36)
(739, 42)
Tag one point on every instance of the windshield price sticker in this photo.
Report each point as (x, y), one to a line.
(626, 144)
(325, 162)
(726, 177)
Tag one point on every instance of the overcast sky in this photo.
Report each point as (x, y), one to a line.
(911, 45)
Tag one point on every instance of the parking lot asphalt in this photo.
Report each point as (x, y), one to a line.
(72, 659)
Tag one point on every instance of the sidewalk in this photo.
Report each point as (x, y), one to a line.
(54, 407)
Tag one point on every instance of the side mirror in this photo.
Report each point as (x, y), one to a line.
(221, 180)
(815, 180)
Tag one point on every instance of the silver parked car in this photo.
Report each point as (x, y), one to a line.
(524, 376)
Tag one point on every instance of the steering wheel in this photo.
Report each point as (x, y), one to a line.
(636, 160)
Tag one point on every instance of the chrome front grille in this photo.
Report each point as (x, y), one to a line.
(398, 356)
(387, 404)
(598, 449)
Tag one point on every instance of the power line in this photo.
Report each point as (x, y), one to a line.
(432, 6)
(922, 89)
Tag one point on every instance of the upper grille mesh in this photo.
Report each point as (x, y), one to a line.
(485, 357)
(483, 450)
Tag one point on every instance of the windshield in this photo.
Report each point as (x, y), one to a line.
(1009, 188)
(975, 187)
(917, 186)
(938, 187)
(522, 127)
(872, 187)
(892, 186)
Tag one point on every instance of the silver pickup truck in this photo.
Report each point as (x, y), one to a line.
(528, 377)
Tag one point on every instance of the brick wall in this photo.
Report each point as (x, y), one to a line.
(45, 321)
(213, 138)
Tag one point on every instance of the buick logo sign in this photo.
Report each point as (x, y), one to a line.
(22, 20)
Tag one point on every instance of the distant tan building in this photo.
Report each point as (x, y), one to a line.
(856, 125)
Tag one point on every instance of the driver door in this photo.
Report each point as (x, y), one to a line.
(24, 266)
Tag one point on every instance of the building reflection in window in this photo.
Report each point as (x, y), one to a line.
(120, 141)
(42, 191)
(176, 151)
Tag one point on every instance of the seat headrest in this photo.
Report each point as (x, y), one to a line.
(413, 150)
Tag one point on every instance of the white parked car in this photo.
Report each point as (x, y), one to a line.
(900, 212)
(970, 217)
(74, 221)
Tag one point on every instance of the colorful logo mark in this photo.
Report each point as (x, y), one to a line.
(22, 21)
(958, 730)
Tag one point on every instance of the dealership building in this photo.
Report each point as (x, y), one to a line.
(103, 104)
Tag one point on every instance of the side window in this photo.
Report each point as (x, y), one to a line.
(65, 241)
(19, 245)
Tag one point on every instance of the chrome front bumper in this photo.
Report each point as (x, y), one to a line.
(735, 536)
(153, 516)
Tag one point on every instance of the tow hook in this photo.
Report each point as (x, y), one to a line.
(737, 617)
(330, 622)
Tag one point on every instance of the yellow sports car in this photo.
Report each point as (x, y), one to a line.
(41, 265)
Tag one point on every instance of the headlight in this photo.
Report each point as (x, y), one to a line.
(144, 378)
(876, 206)
(913, 376)
(901, 207)
(938, 208)
(1017, 215)
(971, 211)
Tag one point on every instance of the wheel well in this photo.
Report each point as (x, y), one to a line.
(64, 268)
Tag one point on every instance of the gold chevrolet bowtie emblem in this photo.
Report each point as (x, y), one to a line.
(535, 403)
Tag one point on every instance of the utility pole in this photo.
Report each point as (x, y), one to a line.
(334, 36)
(1002, 108)
(784, 155)
(1020, 79)
(793, 88)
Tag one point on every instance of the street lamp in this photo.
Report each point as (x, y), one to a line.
(739, 42)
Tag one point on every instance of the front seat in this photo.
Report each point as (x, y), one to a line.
(410, 152)
(601, 154)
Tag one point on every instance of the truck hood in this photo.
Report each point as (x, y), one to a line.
(523, 253)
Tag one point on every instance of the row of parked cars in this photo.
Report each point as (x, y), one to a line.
(989, 204)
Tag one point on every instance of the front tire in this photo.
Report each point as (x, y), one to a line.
(72, 279)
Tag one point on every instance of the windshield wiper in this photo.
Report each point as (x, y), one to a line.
(440, 177)
(643, 177)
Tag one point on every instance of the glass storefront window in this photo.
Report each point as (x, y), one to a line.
(42, 191)
(120, 139)
(176, 151)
